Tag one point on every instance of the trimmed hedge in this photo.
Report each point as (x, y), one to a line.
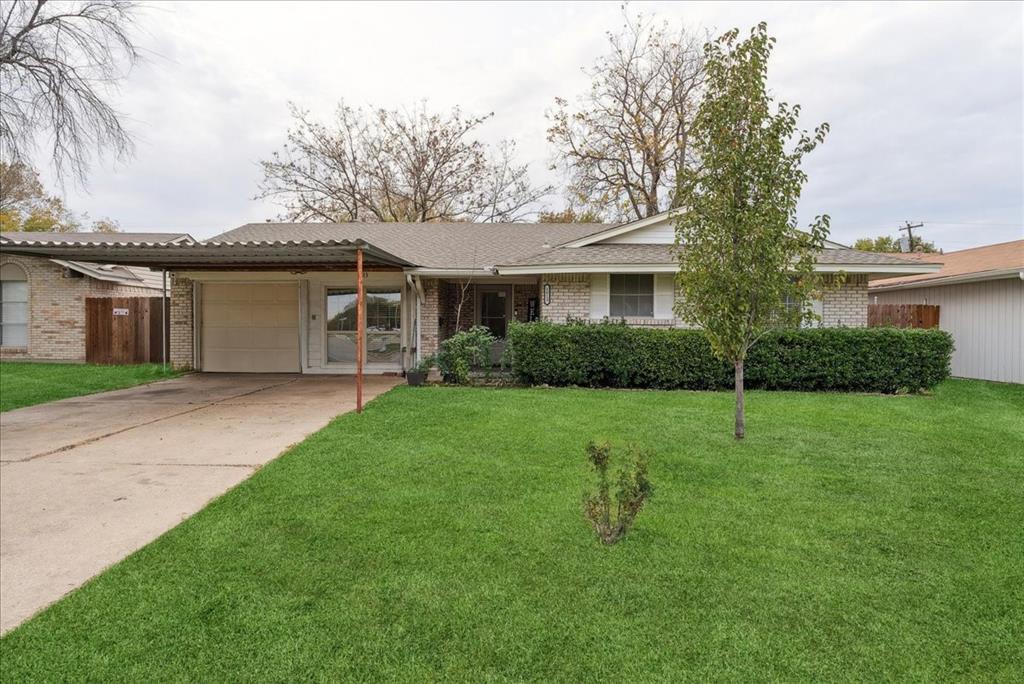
(885, 360)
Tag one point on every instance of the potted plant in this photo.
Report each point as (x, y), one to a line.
(417, 375)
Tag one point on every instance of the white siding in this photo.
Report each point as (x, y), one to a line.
(312, 288)
(986, 321)
(664, 295)
(660, 233)
(598, 295)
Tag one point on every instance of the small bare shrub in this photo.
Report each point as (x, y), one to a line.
(632, 491)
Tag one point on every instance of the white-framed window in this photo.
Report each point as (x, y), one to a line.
(631, 295)
(13, 306)
(383, 326)
(813, 305)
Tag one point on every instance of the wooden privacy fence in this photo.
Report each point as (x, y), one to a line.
(903, 315)
(125, 330)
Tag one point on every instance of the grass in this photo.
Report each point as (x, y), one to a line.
(26, 384)
(439, 536)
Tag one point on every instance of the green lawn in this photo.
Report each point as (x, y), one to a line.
(439, 536)
(25, 384)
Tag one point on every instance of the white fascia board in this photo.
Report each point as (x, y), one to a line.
(908, 269)
(589, 268)
(453, 272)
(912, 269)
(952, 280)
(619, 229)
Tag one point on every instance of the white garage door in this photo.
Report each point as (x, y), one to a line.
(250, 328)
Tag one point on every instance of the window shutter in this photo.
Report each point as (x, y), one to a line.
(664, 295)
(599, 295)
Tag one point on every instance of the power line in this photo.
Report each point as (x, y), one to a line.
(909, 227)
(977, 223)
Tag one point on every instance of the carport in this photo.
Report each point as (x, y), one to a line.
(254, 318)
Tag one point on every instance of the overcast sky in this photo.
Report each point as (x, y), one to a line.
(924, 100)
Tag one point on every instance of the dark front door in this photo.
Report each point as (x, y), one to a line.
(494, 305)
(495, 309)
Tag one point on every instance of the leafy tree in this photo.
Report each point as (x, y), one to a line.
(570, 215)
(741, 256)
(884, 243)
(25, 205)
(396, 165)
(58, 63)
(627, 139)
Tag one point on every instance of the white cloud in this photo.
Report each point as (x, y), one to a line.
(924, 100)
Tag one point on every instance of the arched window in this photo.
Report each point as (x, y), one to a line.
(13, 306)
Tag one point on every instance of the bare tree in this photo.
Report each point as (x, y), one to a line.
(624, 145)
(396, 165)
(58, 63)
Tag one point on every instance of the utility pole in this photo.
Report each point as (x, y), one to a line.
(909, 227)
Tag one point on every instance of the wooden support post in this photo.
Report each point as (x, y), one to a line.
(360, 329)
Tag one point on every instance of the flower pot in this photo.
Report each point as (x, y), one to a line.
(415, 377)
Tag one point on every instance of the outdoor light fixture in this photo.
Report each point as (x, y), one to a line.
(547, 293)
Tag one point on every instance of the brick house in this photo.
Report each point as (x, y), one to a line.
(280, 297)
(43, 299)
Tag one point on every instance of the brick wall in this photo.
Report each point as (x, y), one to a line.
(848, 305)
(451, 292)
(181, 353)
(429, 316)
(56, 330)
(521, 295)
(570, 297)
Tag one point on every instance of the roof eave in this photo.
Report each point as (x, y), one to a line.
(527, 269)
(168, 255)
(1000, 274)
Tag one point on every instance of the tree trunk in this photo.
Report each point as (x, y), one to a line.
(740, 416)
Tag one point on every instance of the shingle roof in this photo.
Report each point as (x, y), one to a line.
(977, 260)
(662, 254)
(599, 254)
(430, 245)
(124, 275)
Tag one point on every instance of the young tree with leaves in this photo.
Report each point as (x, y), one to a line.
(397, 165)
(885, 243)
(25, 206)
(741, 256)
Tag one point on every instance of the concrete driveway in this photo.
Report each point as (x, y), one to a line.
(86, 481)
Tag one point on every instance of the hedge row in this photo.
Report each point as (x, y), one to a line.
(814, 359)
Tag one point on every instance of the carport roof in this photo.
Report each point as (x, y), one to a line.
(181, 251)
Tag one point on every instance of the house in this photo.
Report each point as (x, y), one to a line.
(43, 299)
(280, 297)
(980, 294)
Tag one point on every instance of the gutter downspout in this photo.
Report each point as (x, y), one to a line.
(163, 318)
(417, 286)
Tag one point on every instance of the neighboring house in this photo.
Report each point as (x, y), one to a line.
(278, 297)
(980, 295)
(43, 300)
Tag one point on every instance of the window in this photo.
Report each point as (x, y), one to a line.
(13, 306)
(813, 305)
(631, 295)
(383, 327)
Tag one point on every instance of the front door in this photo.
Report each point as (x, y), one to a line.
(494, 306)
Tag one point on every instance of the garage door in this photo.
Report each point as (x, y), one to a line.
(250, 328)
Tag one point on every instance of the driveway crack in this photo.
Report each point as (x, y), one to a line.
(91, 440)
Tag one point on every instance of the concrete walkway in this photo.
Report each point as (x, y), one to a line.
(86, 481)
